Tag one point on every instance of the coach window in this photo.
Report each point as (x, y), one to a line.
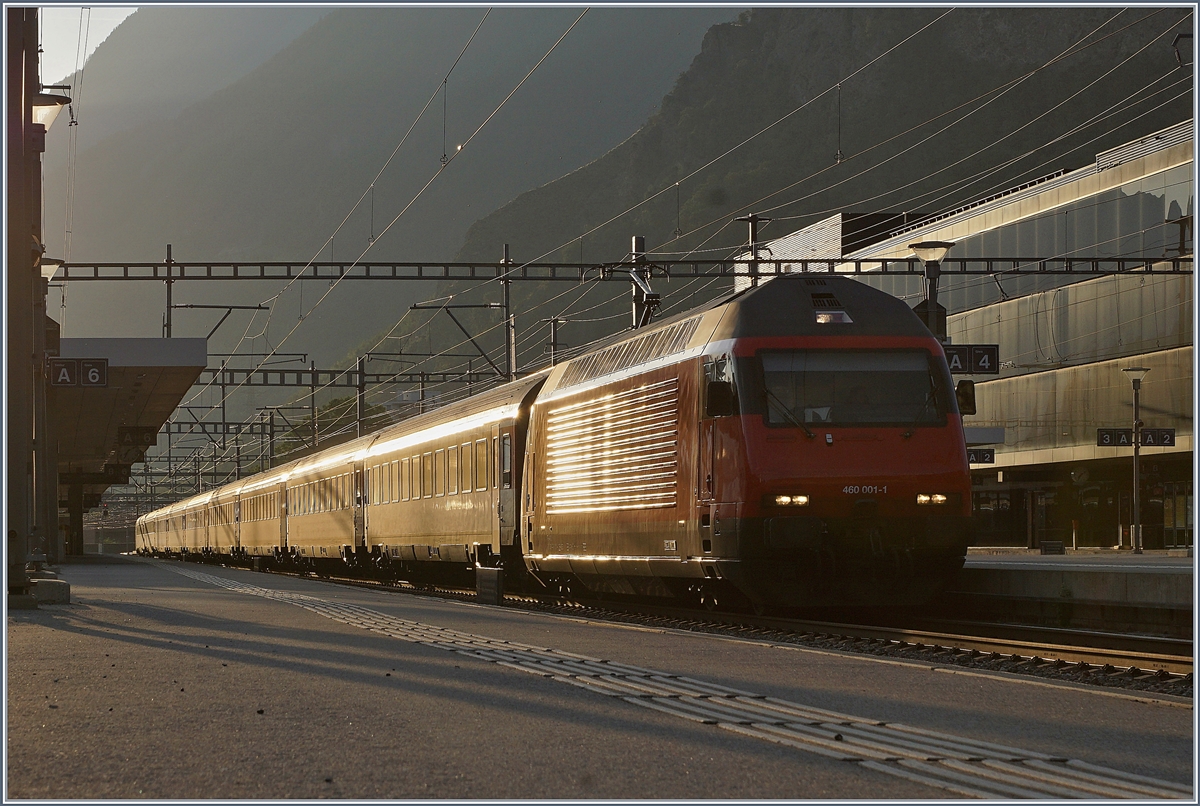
(506, 461)
(405, 486)
(452, 470)
(395, 471)
(465, 467)
(416, 477)
(439, 473)
(427, 475)
(495, 457)
(481, 465)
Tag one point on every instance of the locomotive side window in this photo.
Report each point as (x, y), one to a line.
(851, 387)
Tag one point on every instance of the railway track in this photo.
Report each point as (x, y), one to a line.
(1148, 664)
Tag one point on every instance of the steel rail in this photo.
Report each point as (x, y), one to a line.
(1132, 656)
(1149, 653)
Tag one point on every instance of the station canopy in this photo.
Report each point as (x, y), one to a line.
(107, 400)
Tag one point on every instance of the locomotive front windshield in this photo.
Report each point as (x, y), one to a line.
(844, 387)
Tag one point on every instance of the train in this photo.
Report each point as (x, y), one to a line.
(795, 444)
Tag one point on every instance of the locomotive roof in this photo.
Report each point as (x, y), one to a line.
(789, 305)
(772, 308)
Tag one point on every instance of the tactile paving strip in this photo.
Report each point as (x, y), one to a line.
(965, 766)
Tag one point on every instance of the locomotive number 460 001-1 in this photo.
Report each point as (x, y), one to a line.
(865, 489)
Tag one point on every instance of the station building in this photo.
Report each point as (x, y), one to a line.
(1064, 341)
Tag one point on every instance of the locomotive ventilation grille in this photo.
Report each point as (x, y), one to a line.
(825, 301)
(620, 451)
(643, 349)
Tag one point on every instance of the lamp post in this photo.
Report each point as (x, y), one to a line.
(1136, 374)
(931, 254)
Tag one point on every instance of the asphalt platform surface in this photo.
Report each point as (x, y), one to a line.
(159, 681)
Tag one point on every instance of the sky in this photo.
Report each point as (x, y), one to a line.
(65, 29)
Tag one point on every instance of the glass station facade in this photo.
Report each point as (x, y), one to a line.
(1064, 341)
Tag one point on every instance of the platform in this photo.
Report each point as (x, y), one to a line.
(1113, 590)
(178, 680)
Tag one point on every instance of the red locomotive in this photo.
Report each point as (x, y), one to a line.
(795, 444)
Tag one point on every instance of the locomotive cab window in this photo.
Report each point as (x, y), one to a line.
(852, 387)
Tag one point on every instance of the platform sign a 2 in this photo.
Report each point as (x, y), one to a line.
(1158, 437)
(981, 456)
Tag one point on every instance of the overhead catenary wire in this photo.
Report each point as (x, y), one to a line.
(1077, 47)
(711, 162)
(422, 190)
(81, 45)
(515, 89)
(990, 145)
(572, 239)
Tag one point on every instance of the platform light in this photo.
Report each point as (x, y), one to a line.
(925, 499)
(46, 107)
(1136, 374)
(49, 266)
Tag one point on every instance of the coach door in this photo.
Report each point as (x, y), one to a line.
(237, 522)
(506, 502)
(282, 508)
(360, 505)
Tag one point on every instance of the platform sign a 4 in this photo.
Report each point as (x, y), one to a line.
(973, 359)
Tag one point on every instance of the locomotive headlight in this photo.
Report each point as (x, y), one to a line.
(790, 500)
(931, 498)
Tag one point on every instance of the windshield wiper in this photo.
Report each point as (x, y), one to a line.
(920, 415)
(788, 414)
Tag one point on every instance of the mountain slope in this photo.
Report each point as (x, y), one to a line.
(266, 167)
(771, 62)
